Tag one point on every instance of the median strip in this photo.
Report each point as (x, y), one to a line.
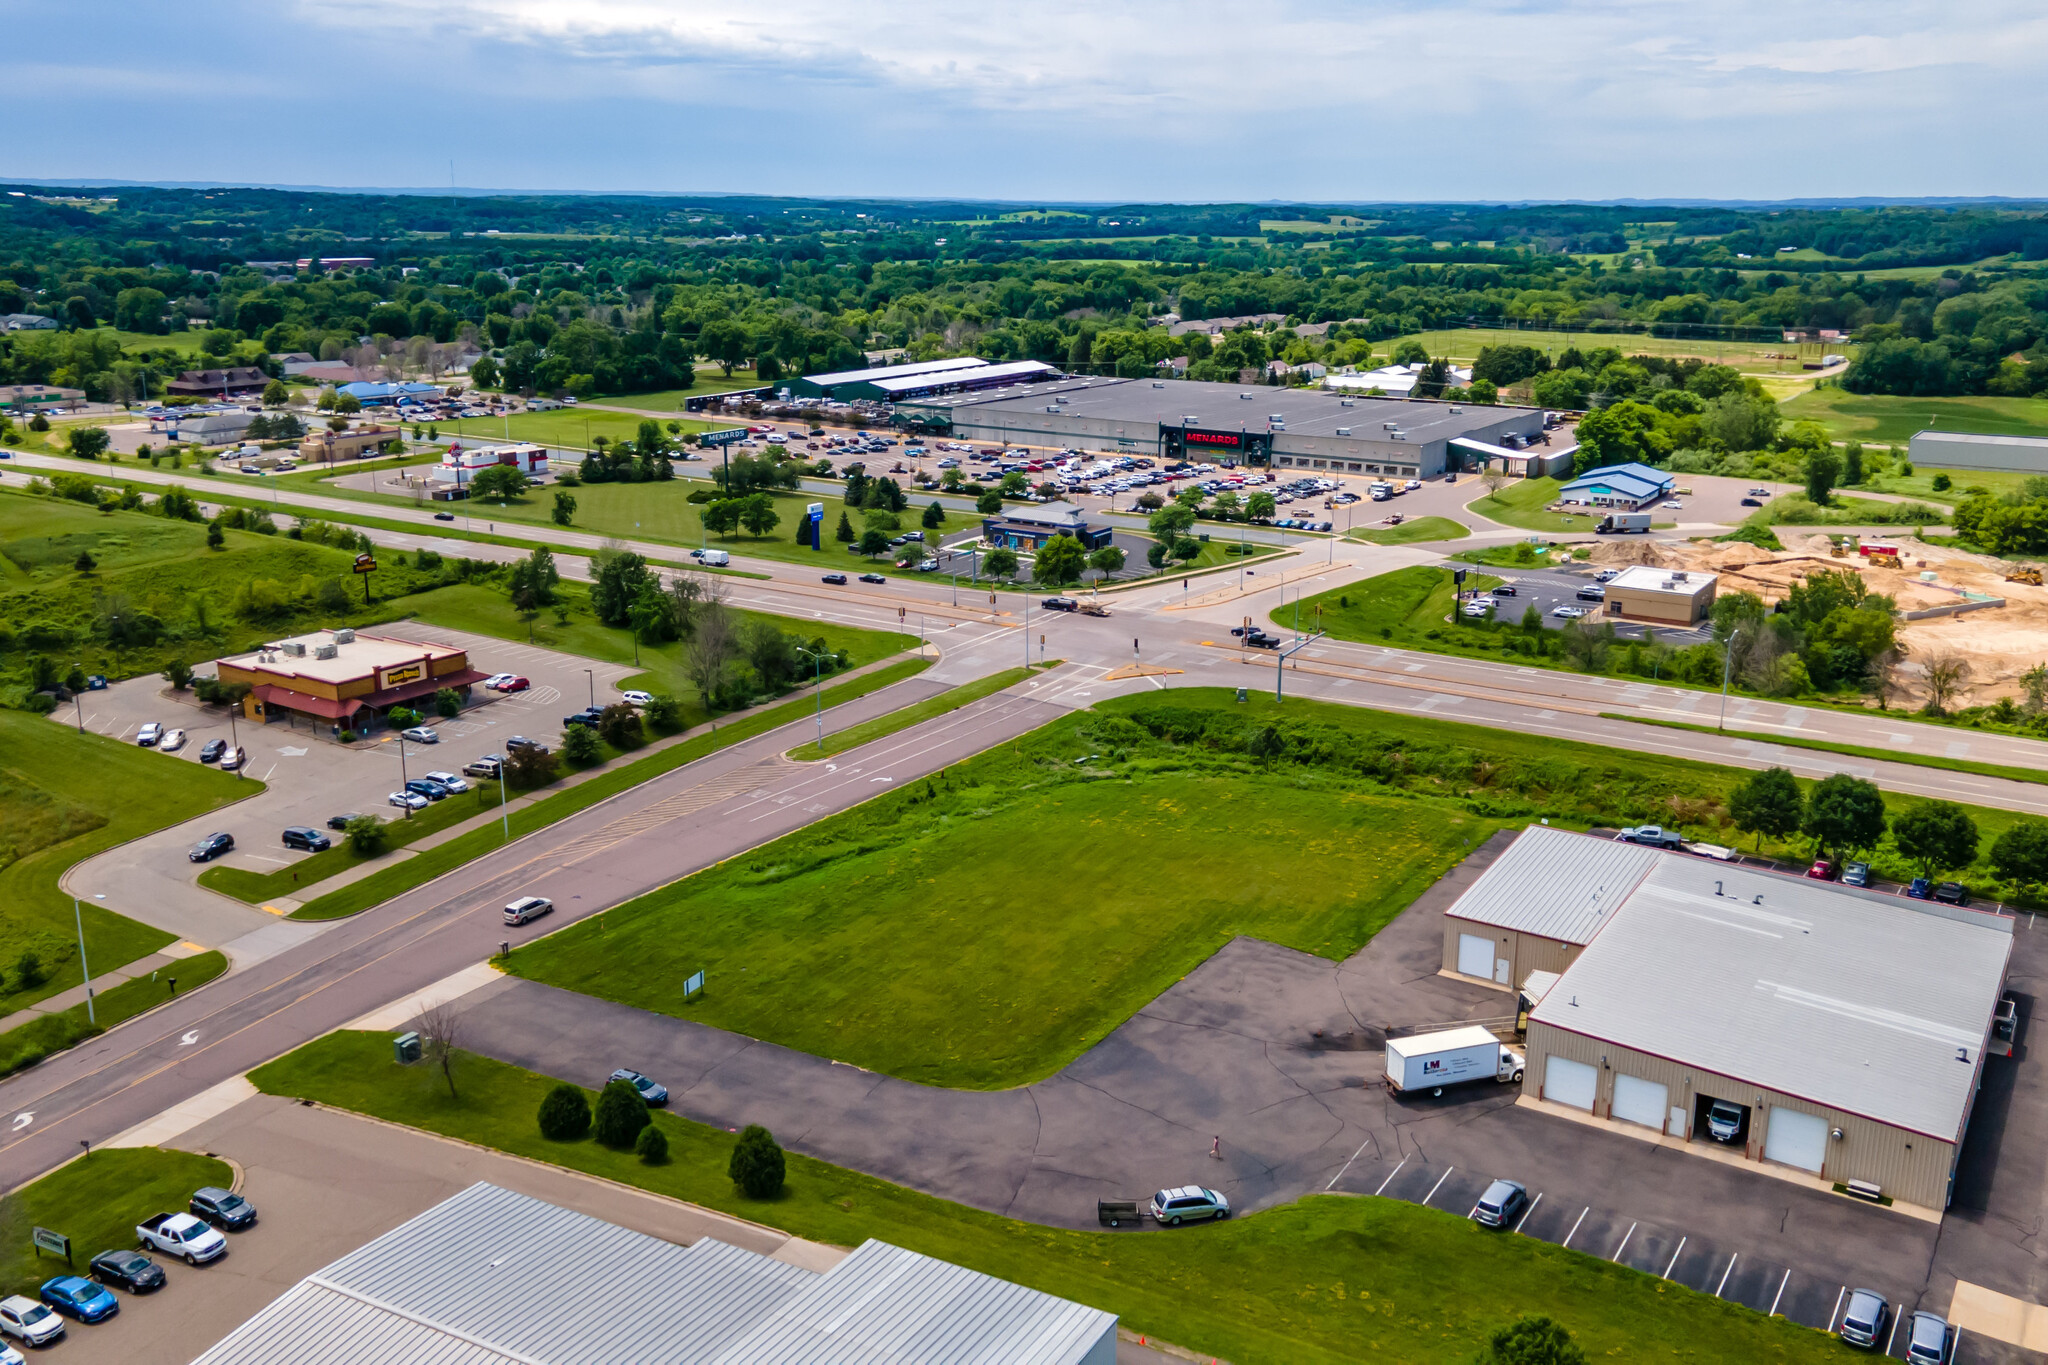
(1961, 765)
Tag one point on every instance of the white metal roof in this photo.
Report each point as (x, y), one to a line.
(838, 377)
(1555, 884)
(492, 1277)
(1856, 1000)
(1470, 1035)
(1679, 582)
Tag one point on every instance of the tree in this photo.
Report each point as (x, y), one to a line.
(178, 674)
(712, 646)
(366, 835)
(1823, 470)
(1001, 562)
(85, 563)
(447, 703)
(665, 713)
(758, 515)
(2020, 853)
(276, 394)
(757, 1164)
(1531, 1341)
(1058, 561)
(1937, 836)
(873, 543)
(618, 579)
(1171, 522)
(88, 443)
(565, 508)
(619, 724)
(1768, 802)
(1945, 676)
(724, 342)
(347, 403)
(621, 1114)
(989, 504)
(535, 578)
(722, 517)
(651, 1146)
(440, 1031)
(581, 746)
(934, 517)
(484, 373)
(1107, 560)
(530, 767)
(499, 481)
(845, 532)
(564, 1114)
(1845, 814)
(1261, 506)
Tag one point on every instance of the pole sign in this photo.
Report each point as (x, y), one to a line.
(55, 1243)
(694, 985)
(366, 564)
(814, 521)
(730, 436)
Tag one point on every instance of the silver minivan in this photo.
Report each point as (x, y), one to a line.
(1187, 1203)
(1865, 1319)
(1932, 1342)
(527, 908)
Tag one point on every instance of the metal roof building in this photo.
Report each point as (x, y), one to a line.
(491, 1277)
(830, 385)
(1968, 450)
(1848, 1028)
(1539, 904)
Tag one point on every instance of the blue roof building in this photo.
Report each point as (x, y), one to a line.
(369, 394)
(1628, 486)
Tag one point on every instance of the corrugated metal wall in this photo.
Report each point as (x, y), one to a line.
(1908, 1166)
(1934, 448)
(1525, 953)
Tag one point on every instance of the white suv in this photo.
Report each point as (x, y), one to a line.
(35, 1323)
(527, 908)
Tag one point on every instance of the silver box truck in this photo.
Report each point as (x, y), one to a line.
(1616, 523)
(1431, 1061)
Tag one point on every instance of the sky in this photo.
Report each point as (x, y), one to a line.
(1096, 100)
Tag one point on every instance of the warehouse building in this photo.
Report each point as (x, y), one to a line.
(1661, 597)
(1842, 1032)
(1295, 429)
(1963, 450)
(846, 385)
(491, 1277)
(1624, 487)
(340, 677)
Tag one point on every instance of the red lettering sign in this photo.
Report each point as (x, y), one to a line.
(1211, 438)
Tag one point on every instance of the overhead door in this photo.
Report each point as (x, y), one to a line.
(1797, 1139)
(1570, 1082)
(1475, 956)
(1639, 1101)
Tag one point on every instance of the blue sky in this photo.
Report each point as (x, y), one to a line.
(1102, 100)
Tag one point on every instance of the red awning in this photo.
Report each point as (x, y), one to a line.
(270, 694)
(425, 687)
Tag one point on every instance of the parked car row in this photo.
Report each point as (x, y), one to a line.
(194, 1236)
(170, 740)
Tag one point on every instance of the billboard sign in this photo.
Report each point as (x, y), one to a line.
(727, 437)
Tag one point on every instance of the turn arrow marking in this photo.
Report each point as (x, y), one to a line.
(191, 1037)
(22, 1121)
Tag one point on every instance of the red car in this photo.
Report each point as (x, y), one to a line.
(514, 684)
(1823, 870)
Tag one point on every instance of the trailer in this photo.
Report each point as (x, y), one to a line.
(1452, 1056)
(1622, 523)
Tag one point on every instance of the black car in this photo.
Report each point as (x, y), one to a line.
(1593, 593)
(836, 578)
(1258, 639)
(211, 751)
(1751, 502)
(1067, 604)
(341, 821)
(129, 1270)
(1954, 893)
(872, 578)
(211, 847)
(306, 837)
(1504, 590)
(518, 742)
(444, 516)
(589, 715)
(223, 1208)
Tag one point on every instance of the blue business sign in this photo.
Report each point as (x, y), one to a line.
(730, 436)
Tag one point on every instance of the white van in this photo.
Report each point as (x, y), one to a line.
(715, 558)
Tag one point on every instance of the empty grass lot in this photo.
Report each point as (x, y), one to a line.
(1410, 532)
(1521, 503)
(1889, 419)
(1034, 871)
(1320, 1281)
(96, 1202)
(1411, 607)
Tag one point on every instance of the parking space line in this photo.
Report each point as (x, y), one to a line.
(1726, 1273)
(1347, 1166)
(1575, 1226)
(1526, 1212)
(1616, 1257)
(1439, 1184)
(1893, 1335)
(1390, 1177)
(1674, 1258)
(1780, 1294)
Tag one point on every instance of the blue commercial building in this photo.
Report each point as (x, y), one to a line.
(1629, 487)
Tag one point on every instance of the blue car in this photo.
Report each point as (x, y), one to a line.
(427, 787)
(77, 1297)
(1922, 889)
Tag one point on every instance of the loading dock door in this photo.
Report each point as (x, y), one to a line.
(1797, 1139)
(1475, 956)
(1639, 1101)
(1570, 1082)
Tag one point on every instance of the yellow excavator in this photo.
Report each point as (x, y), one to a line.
(2025, 573)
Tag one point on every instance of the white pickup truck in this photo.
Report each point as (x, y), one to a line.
(182, 1235)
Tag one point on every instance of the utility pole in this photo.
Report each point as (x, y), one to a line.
(85, 970)
(1727, 665)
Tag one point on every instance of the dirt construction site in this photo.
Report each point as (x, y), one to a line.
(1952, 602)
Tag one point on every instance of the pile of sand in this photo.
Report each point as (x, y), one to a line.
(1636, 550)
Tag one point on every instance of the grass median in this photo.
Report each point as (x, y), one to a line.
(1411, 531)
(52, 1033)
(1962, 765)
(96, 1201)
(424, 867)
(915, 714)
(1328, 1278)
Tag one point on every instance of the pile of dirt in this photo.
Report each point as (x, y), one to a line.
(1636, 550)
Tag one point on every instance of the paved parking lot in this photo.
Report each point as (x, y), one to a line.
(307, 777)
(1548, 589)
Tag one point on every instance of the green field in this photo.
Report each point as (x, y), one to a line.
(575, 427)
(1410, 532)
(1397, 608)
(1032, 868)
(853, 736)
(1521, 503)
(710, 380)
(96, 1201)
(1885, 419)
(63, 798)
(1751, 357)
(402, 876)
(1326, 1280)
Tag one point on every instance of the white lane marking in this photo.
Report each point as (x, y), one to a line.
(191, 1037)
(1439, 1184)
(1526, 1212)
(1836, 1313)
(1575, 1226)
(1780, 1294)
(1390, 1176)
(1674, 1258)
(1893, 1335)
(1347, 1166)
(22, 1121)
(1624, 1243)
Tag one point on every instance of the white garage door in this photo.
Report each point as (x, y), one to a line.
(1797, 1139)
(1639, 1101)
(1569, 1082)
(1475, 956)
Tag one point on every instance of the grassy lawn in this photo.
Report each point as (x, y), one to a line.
(1463, 344)
(1521, 503)
(296, 881)
(1323, 1280)
(855, 736)
(1794, 509)
(1888, 419)
(63, 798)
(185, 342)
(1410, 532)
(488, 611)
(96, 1202)
(709, 381)
(38, 1038)
(1031, 867)
(577, 428)
(1397, 608)
(403, 876)
(1519, 555)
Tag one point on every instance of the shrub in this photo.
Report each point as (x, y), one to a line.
(580, 745)
(621, 1114)
(620, 726)
(665, 713)
(29, 972)
(447, 702)
(178, 674)
(347, 736)
(564, 1114)
(757, 1164)
(367, 835)
(651, 1146)
(531, 767)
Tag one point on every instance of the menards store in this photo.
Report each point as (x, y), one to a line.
(342, 678)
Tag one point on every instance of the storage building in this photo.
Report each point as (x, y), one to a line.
(844, 385)
(1845, 1030)
(1663, 597)
(1965, 450)
(1538, 905)
(491, 1277)
(1626, 487)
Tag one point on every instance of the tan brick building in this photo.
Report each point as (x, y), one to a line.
(338, 677)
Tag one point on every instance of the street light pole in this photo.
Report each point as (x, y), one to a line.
(817, 689)
(504, 810)
(404, 779)
(591, 678)
(235, 739)
(1727, 664)
(78, 915)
